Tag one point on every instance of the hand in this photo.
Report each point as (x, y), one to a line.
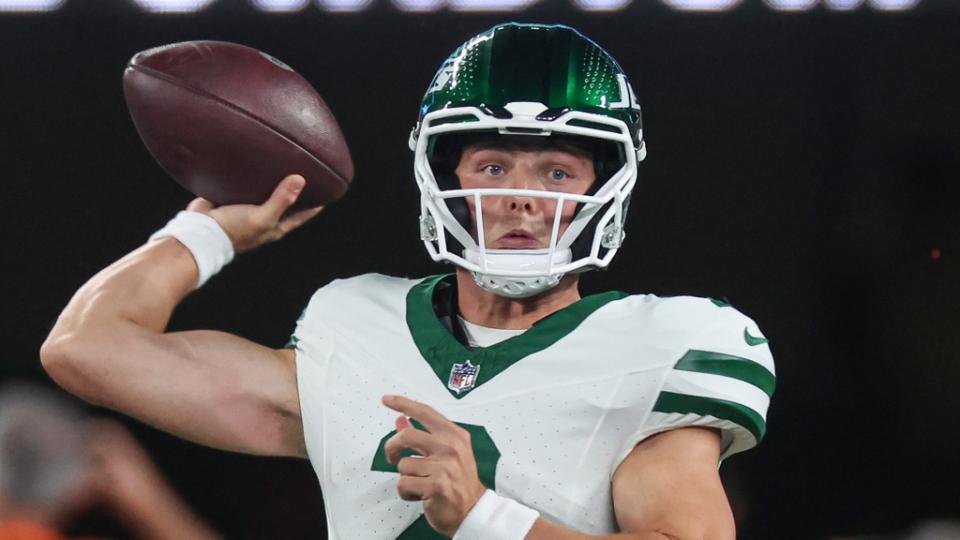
(123, 473)
(445, 476)
(250, 226)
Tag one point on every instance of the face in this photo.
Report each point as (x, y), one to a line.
(522, 222)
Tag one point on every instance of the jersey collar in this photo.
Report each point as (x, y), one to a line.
(442, 351)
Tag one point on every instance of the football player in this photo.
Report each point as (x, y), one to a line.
(491, 403)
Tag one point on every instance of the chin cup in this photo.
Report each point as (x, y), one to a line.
(517, 273)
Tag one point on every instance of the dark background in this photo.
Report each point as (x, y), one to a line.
(802, 165)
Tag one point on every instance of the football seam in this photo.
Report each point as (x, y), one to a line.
(177, 82)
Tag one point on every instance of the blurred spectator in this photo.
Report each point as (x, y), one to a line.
(56, 464)
(935, 530)
(925, 530)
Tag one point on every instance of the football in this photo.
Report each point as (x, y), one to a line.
(228, 122)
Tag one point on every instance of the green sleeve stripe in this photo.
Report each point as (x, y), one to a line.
(292, 344)
(731, 366)
(745, 417)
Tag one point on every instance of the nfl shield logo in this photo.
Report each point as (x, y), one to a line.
(463, 377)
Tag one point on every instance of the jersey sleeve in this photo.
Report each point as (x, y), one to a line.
(333, 316)
(724, 380)
(313, 339)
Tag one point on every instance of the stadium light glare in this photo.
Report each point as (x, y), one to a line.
(602, 5)
(843, 5)
(173, 6)
(343, 6)
(894, 5)
(791, 5)
(422, 6)
(701, 5)
(419, 5)
(491, 5)
(280, 6)
(29, 6)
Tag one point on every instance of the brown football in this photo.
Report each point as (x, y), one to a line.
(228, 122)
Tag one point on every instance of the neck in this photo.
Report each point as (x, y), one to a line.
(485, 308)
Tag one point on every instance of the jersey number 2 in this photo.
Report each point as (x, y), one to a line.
(484, 451)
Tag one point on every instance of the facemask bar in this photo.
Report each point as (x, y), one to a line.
(550, 253)
(437, 220)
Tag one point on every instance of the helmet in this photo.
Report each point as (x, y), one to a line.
(530, 80)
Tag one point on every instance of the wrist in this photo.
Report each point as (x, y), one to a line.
(495, 517)
(203, 237)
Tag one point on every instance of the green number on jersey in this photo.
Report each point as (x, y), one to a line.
(484, 451)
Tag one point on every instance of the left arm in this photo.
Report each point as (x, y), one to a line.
(668, 488)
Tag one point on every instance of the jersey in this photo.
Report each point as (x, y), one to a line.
(552, 412)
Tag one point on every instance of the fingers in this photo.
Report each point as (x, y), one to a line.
(415, 466)
(298, 218)
(283, 197)
(421, 412)
(421, 442)
(415, 488)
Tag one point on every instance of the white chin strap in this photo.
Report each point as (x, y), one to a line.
(512, 273)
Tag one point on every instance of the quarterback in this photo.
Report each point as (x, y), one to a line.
(491, 403)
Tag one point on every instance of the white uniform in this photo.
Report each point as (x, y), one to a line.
(552, 411)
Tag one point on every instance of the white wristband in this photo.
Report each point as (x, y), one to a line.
(496, 518)
(202, 235)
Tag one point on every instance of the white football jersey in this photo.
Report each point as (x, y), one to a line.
(552, 412)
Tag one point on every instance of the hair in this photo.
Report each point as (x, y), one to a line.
(43, 446)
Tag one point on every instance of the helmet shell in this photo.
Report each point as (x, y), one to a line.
(550, 64)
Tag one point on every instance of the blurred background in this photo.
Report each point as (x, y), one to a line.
(804, 163)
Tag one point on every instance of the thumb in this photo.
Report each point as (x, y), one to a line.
(200, 205)
(283, 196)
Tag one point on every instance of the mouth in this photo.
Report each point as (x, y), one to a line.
(517, 239)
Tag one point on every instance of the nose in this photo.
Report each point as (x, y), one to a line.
(521, 204)
(522, 180)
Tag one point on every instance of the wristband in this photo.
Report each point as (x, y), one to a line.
(496, 518)
(202, 235)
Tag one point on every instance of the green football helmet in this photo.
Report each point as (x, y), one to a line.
(531, 80)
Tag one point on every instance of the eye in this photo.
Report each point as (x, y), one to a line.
(558, 175)
(494, 170)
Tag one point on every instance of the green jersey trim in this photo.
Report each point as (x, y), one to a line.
(747, 418)
(485, 453)
(294, 340)
(441, 350)
(721, 302)
(727, 365)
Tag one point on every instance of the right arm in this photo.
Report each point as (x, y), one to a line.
(109, 346)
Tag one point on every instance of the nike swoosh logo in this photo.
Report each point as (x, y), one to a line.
(752, 341)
